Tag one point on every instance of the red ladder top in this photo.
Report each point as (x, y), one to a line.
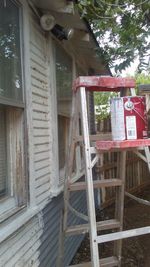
(103, 83)
(125, 144)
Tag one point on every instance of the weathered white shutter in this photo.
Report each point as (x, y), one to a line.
(3, 163)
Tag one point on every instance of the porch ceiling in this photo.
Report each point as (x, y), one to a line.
(83, 41)
(50, 4)
(69, 20)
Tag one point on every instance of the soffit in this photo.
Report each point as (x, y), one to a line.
(50, 4)
(85, 49)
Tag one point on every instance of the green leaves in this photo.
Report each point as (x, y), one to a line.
(101, 99)
(122, 29)
(102, 105)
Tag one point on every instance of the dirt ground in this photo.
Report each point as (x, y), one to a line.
(135, 251)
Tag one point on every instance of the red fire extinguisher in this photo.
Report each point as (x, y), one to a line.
(129, 118)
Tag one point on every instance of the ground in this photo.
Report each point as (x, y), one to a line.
(136, 251)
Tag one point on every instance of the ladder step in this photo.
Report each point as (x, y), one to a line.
(123, 234)
(96, 184)
(106, 262)
(84, 228)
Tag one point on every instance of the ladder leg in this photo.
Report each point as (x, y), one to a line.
(103, 190)
(147, 154)
(60, 259)
(119, 209)
(68, 174)
(89, 181)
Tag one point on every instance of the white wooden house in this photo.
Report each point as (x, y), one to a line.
(36, 73)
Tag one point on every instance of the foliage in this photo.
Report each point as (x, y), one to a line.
(122, 29)
(101, 99)
(142, 79)
(101, 105)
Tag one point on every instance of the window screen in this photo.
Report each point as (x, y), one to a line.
(64, 95)
(10, 62)
(63, 81)
(11, 118)
(63, 126)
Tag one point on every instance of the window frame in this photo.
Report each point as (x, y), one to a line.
(61, 171)
(4, 100)
(13, 202)
(57, 180)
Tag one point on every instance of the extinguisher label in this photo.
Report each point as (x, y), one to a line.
(131, 127)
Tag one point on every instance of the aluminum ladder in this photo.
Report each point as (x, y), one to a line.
(92, 146)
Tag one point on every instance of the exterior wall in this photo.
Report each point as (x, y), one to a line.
(48, 250)
(22, 246)
(40, 113)
(36, 242)
(30, 238)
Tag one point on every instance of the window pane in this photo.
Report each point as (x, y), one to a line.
(63, 81)
(3, 160)
(63, 126)
(10, 58)
(64, 97)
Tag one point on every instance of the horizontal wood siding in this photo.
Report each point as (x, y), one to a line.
(41, 113)
(36, 242)
(49, 239)
(46, 253)
(19, 250)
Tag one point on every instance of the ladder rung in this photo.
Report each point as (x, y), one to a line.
(97, 184)
(106, 262)
(84, 228)
(123, 234)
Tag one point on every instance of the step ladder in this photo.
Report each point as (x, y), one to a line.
(92, 146)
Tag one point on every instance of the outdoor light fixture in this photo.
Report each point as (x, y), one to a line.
(70, 33)
(61, 33)
(48, 23)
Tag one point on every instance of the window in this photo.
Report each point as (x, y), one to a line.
(64, 95)
(12, 186)
(10, 63)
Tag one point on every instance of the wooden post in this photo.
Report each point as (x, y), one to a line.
(89, 181)
(119, 209)
(68, 174)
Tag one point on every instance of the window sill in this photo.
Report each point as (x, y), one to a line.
(56, 191)
(12, 226)
(60, 188)
(8, 214)
(7, 208)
